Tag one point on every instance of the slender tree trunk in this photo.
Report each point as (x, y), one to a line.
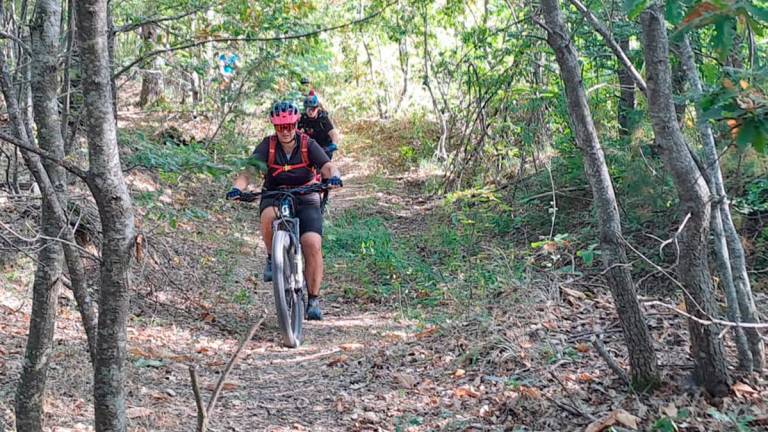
(642, 355)
(152, 80)
(441, 152)
(67, 81)
(731, 266)
(706, 347)
(106, 182)
(626, 93)
(45, 292)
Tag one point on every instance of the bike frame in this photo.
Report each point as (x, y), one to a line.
(287, 221)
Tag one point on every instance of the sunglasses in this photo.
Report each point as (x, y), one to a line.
(285, 127)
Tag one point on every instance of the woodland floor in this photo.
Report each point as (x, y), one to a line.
(520, 362)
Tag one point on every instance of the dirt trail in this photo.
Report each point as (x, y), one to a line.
(335, 381)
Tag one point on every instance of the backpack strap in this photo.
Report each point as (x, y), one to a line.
(303, 148)
(272, 145)
(305, 151)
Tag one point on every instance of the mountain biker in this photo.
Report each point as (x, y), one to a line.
(305, 86)
(316, 123)
(292, 159)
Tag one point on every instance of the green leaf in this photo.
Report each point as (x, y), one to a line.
(674, 11)
(749, 133)
(717, 415)
(758, 12)
(725, 32)
(634, 7)
(664, 424)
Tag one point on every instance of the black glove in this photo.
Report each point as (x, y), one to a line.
(233, 193)
(334, 181)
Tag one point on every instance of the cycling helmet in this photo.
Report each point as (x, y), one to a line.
(311, 100)
(284, 112)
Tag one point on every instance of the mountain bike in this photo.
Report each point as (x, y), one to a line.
(288, 282)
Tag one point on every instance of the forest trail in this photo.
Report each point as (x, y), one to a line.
(518, 360)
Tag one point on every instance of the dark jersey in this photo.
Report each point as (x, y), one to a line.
(294, 177)
(317, 128)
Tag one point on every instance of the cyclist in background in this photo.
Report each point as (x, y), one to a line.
(293, 159)
(316, 123)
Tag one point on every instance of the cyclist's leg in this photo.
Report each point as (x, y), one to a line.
(268, 215)
(311, 230)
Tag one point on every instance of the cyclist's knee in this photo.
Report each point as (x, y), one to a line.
(311, 242)
(269, 214)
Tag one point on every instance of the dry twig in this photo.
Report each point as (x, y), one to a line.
(203, 415)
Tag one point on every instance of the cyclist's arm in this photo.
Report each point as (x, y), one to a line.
(335, 136)
(246, 176)
(330, 170)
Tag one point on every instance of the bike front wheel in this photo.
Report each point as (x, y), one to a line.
(289, 303)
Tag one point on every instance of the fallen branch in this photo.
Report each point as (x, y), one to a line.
(203, 415)
(710, 321)
(597, 342)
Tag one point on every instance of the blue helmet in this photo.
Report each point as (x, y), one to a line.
(311, 100)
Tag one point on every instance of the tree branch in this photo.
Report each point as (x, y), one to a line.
(67, 165)
(21, 43)
(133, 26)
(598, 26)
(189, 45)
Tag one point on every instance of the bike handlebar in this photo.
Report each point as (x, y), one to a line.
(301, 190)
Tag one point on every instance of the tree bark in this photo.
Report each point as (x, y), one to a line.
(106, 182)
(706, 347)
(152, 80)
(729, 252)
(626, 93)
(642, 356)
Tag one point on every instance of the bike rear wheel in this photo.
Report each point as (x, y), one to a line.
(289, 303)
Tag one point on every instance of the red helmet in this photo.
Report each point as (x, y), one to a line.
(284, 112)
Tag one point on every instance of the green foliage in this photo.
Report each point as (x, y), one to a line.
(194, 158)
(755, 199)
(741, 102)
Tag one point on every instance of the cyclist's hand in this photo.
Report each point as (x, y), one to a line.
(234, 194)
(332, 147)
(334, 182)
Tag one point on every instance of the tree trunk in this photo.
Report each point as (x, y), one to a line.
(706, 347)
(626, 93)
(729, 252)
(642, 356)
(152, 80)
(45, 293)
(106, 182)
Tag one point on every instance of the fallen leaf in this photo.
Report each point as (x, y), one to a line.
(669, 410)
(573, 293)
(425, 333)
(183, 358)
(459, 373)
(582, 347)
(529, 392)
(338, 360)
(405, 380)
(138, 352)
(616, 416)
(350, 346)
(137, 412)
(549, 325)
(627, 419)
(584, 377)
(228, 385)
(160, 396)
(742, 389)
(466, 392)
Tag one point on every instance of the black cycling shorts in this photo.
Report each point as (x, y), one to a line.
(310, 217)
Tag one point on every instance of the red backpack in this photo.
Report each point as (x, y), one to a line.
(303, 147)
